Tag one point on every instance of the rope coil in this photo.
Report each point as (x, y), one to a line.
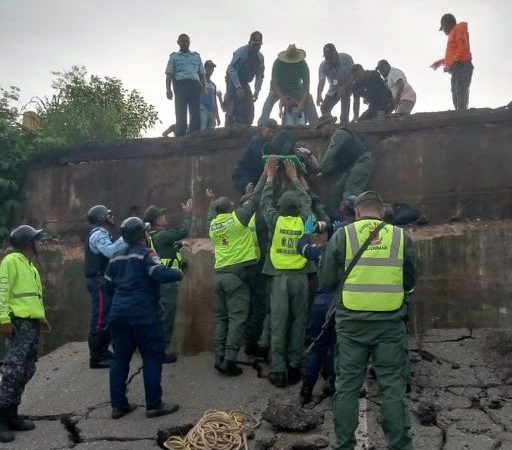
(216, 430)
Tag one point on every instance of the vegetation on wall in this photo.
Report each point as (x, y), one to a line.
(81, 108)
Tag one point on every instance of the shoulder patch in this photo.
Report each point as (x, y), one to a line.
(154, 257)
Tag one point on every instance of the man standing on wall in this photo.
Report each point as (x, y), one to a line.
(186, 72)
(247, 63)
(99, 248)
(457, 59)
(166, 242)
(371, 307)
(336, 67)
(209, 109)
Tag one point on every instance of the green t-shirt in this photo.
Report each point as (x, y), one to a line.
(291, 78)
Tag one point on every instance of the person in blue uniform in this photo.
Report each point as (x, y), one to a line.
(99, 248)
(132, 278)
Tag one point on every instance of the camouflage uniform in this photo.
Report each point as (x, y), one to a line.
(19, 361)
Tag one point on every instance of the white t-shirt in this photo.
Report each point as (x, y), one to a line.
(391, 80)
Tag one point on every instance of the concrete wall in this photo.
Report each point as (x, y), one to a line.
(452, 165)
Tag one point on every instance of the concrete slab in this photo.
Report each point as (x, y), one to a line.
(112, 445)
(48, 435)
(64, 384)
(135, 425)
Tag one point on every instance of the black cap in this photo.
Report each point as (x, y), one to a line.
(446, 19)
(368, 196)
(382, 63)
(209, 62)
(282, 144)
(152, 213)
(270, 123)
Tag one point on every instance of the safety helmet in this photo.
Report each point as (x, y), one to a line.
(133, 228)
(98, 214)
(22, 235)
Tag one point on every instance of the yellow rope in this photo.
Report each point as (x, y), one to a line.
(216, 430)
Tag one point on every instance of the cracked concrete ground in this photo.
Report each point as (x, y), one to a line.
(461, 390)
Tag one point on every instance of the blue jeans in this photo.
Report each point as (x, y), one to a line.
(208, 119)
(322, 354)
(99, 334)
(149, 340)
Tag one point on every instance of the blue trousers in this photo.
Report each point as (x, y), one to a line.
(149, 340)
(322, 354)
(99, 334)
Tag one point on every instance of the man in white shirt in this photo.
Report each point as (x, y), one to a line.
(403, 94)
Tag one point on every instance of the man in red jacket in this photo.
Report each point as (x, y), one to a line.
(457, 60)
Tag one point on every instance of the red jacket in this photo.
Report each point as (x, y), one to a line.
(457, 48)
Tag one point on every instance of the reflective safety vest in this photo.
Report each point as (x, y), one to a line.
(283, 250)
(21, 292)
(376, 281)
(232, 240)
(170, 263)
(252, 227)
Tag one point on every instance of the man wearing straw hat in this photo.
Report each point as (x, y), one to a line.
(290, 85)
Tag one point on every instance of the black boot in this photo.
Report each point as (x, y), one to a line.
(219, 359)
(16, 423)
(278, 379)
(98, 357)
(329, 387)
(294, 375)
(306, 394)
(230, 368)
(6, 435)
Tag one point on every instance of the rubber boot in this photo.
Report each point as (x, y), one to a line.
(278, 379)
(230, 368)
(97, 350)
(6, 435)
(16, 423)
(306, 394)
(294, 375)
(219, 359)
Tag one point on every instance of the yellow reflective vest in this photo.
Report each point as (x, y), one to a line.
(283, 250)
(170, 263)
(232, 240)
(376, 281)
(21, 292)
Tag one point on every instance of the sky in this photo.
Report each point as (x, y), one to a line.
(132, 40)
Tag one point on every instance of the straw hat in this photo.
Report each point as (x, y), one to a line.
(292, 55)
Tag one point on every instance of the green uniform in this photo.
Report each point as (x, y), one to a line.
(355, 164)
(257, 282)
(235, 252)
(163, 243)
(370, 322)
(289, 281)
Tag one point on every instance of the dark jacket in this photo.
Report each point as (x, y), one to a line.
(250, 166)
(133, 277)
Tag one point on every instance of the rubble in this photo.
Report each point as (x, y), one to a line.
(290, 417)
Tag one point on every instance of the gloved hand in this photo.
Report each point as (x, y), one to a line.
(335, 225)
(310, 225)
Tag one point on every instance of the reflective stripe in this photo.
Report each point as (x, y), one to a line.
(380, 262)
(26, 294)
(392, 261)
(395, 244)
(372, 288)
(130, 256)
(352, 235)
